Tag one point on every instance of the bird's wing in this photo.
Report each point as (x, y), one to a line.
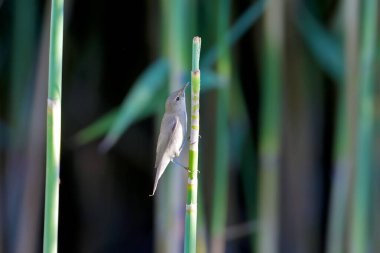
(164, 161)
(165, 138)
(175, 136)
(184, 133)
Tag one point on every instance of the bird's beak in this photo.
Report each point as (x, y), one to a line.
(182, 91)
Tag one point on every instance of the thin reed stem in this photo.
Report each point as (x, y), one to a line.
(192, 181)
(53, 128)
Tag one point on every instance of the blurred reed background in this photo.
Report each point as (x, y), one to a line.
(290, 125)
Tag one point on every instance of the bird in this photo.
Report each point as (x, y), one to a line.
(172, 133)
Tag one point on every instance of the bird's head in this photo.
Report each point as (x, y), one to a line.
(176, 100)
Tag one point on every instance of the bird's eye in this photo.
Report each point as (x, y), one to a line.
(177, 99)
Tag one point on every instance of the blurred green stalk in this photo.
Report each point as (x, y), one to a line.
(220, 193)
(171, 196)
(234, 33)
(32, 201)
(192, 181)
(339, 185)
(161, 205)
(53, 128)
(17, 113)
(360, 236)
(345, 132)
(24, 29)
(270, 127)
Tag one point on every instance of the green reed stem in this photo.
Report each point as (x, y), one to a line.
(269, 144)
(192, 183)
(365, 133)
(345, 132)
(222, 151)
(53, 134)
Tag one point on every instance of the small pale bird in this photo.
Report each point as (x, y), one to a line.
(172, 132)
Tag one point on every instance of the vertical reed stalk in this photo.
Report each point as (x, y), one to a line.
(220, 193)
(270, 115)
(171, 196)
(375, 207)
(23, 56)
(30, 220)
(192, 181)
(365, 133)
(340, 183)
(53, 135)
(346, 130)
(161, 204)
(21, 63)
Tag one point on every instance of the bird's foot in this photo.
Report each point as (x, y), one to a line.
(180, 165)
(188, 170)
(192, 143)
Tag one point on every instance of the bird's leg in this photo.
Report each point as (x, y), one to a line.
(180, 165)
(199, 137)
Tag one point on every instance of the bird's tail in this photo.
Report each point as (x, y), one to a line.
(160, 170)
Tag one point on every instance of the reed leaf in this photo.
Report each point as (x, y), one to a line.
(323, 46)
(145, 95)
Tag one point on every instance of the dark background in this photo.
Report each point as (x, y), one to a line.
(104, 202)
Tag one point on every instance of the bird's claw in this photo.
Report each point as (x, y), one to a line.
(199, 137)
(188, 170)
